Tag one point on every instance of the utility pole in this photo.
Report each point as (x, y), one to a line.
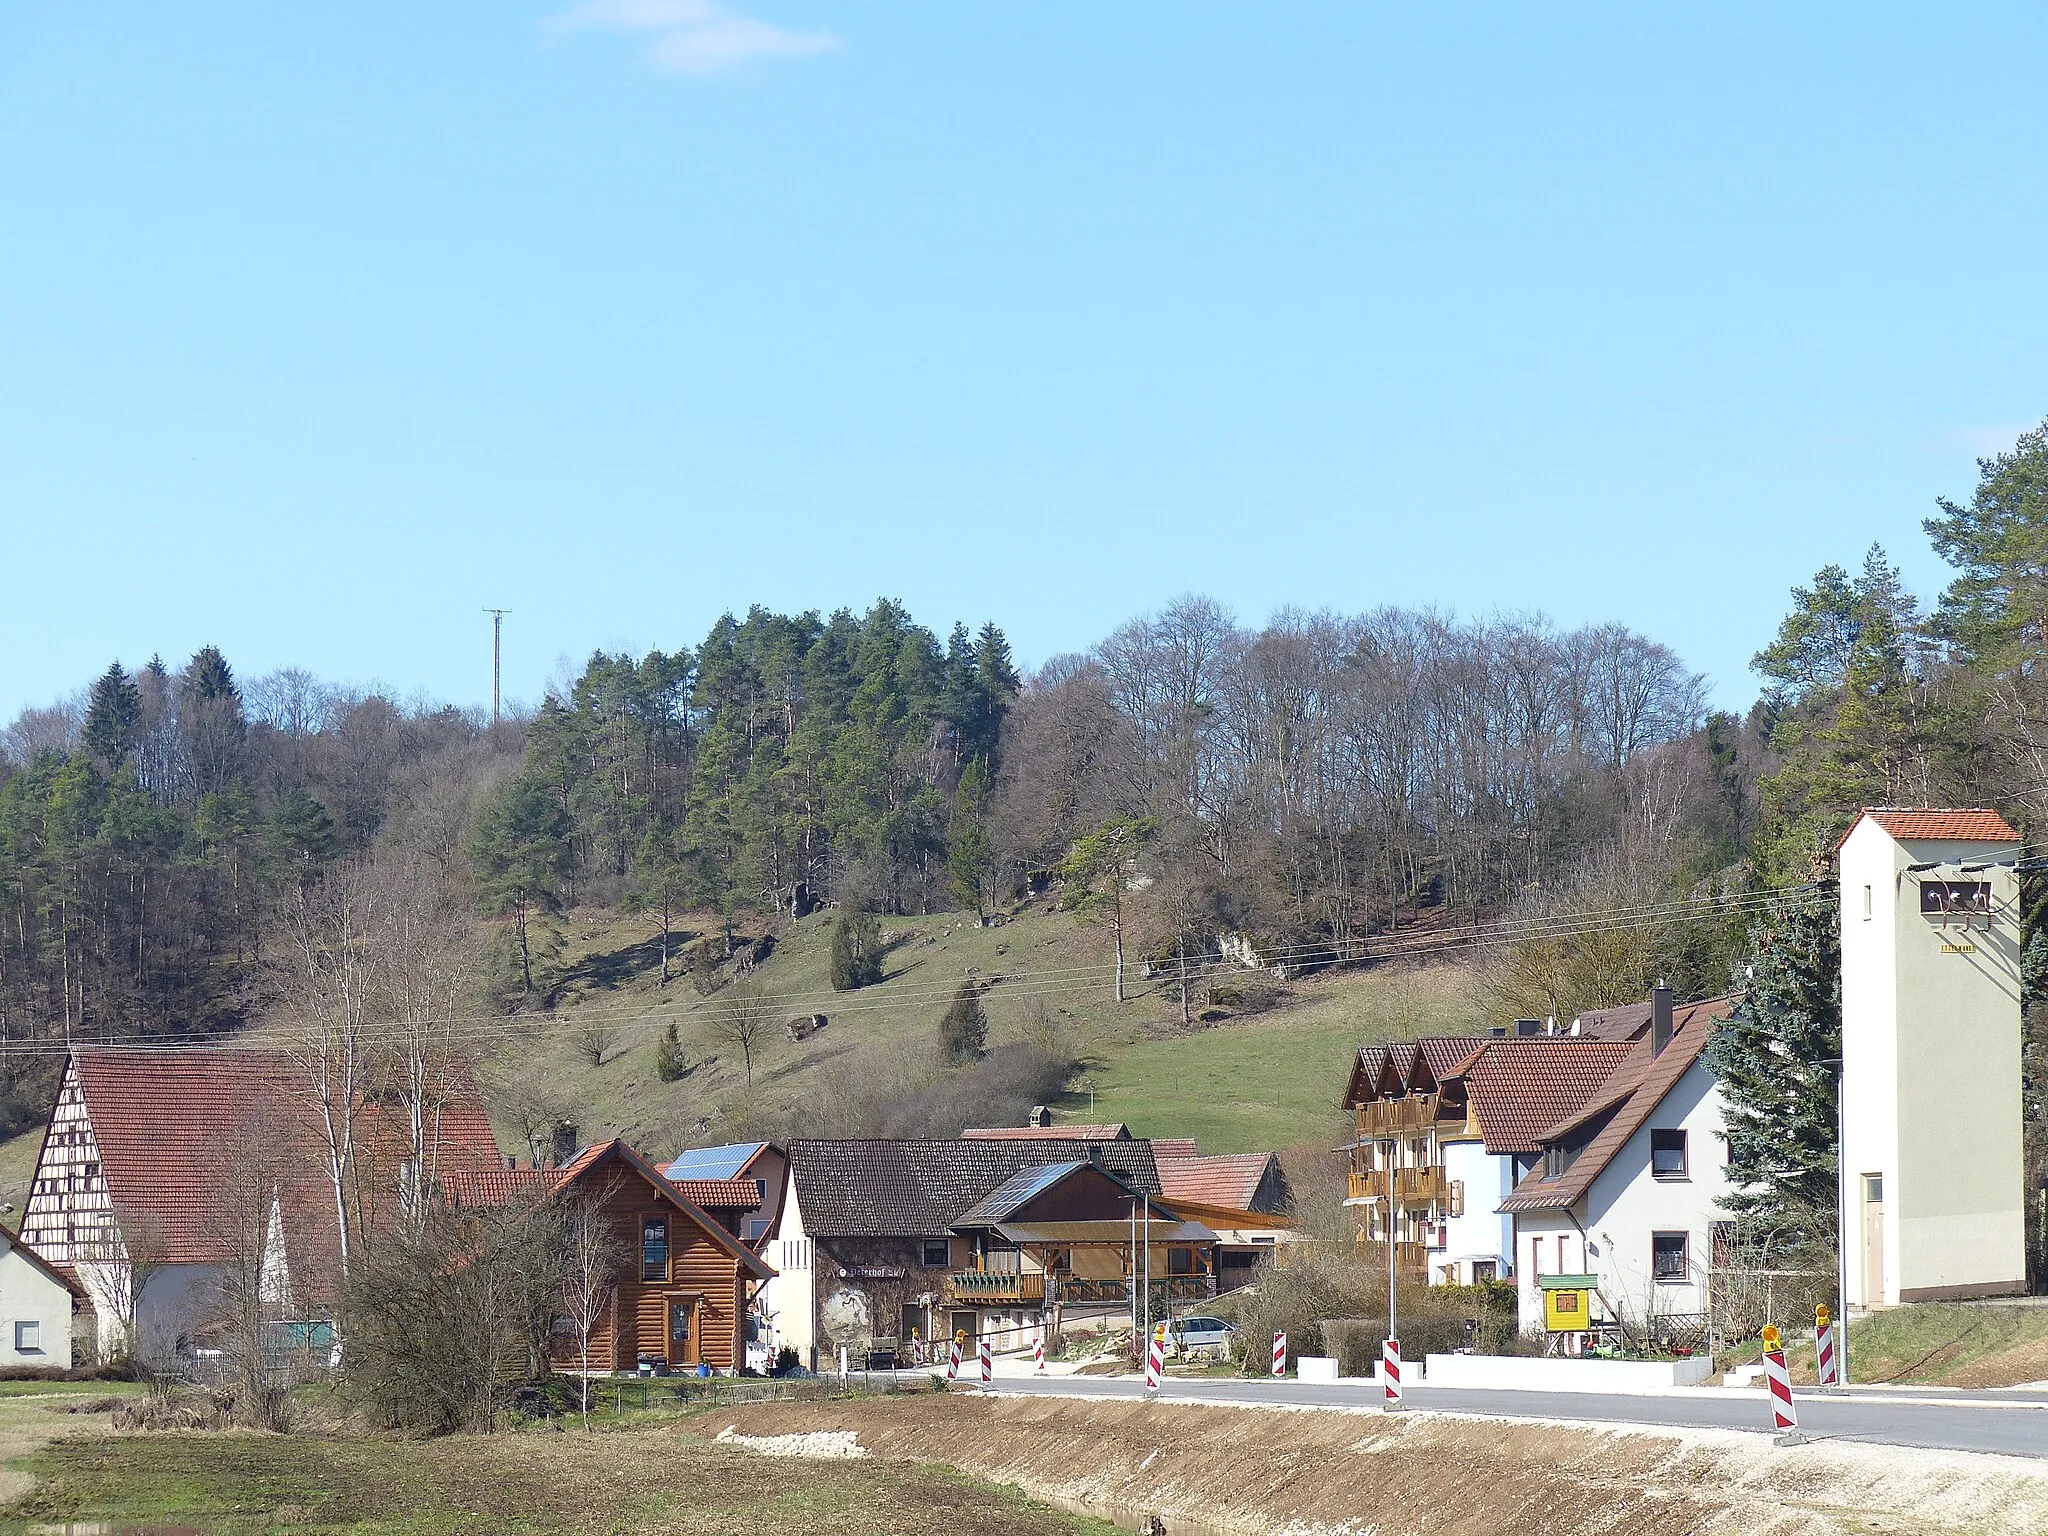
(497, 636)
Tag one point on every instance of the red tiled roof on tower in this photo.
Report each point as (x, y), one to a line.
(1925, 824)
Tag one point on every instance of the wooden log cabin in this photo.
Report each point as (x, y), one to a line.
(679, 1296)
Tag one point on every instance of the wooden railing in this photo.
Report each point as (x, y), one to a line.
(1369, 1186)
(1421, 1186)
(1396, 1117)
(971, 1287)
(1167, 1289)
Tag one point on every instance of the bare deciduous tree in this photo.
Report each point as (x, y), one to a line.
(594, 1254)
(741, 1016)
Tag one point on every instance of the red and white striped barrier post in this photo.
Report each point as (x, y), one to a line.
(1390, 1373)
(953, 1360)
(1824, 1349)
(988, 1361)
(1038, 1354)
(1279, 1354)
(1155, 1359)
(1778, 1377)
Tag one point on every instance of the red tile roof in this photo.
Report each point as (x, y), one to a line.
(498, 1185)
(1175, 1146)
(720, 1194)
(1519, 1087)
(167, 1121)
(1921, 824)
(1230, 1180)
(1631, 1093)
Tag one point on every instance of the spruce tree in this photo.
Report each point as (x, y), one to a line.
(1778, 1061)
(856, 951)
(112, 718)
(671, 1061)
(963, 1028)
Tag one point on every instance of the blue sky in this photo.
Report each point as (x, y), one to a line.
(323, 326)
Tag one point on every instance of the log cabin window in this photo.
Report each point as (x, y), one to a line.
(678, 1328)
(654, 1248)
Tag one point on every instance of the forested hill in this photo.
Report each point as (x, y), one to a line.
(164, 836)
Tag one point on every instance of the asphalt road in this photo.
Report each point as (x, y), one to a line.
(2007, 1423)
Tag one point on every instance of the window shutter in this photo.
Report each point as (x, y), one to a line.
(1457, 1197)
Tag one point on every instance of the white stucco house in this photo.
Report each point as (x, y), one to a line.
(1934, 1200)
(1627, 1189)
(37, 1308)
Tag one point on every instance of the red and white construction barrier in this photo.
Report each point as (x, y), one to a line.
(1279, 1354)
(1038, 1354)
(1390, 1371)
(1824, 1353)
(988, 1362)
(1155, 1359)
(1784, 1417)
(953, 1362)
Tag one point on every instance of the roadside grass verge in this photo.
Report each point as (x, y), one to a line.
(1948, 1344)
(516, 1484)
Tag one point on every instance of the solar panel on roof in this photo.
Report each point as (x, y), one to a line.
(712, 1162)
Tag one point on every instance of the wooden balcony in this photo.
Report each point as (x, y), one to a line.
(1411, 1260)
(1396, 1117)
(976, 1288)
(1421, 1186)
(1369, 1186)
(1165, 1290)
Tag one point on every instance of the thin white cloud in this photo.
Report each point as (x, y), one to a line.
(694, 37)
(1986, 442)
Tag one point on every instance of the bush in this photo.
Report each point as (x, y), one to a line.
(1326, 1296)
(963, 1028)
(671, 1061)
(856, 951)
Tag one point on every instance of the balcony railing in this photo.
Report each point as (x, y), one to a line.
(972, 1287)
(1411, 1260)
(1421, 1186)
(1165, 1289)
(1396, 1117)
(1369, 1186)
(1412, 1186)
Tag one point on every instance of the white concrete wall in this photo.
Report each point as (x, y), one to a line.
(1627, 1204)
(790, 1297)
(32, 1302)
(1871, 861)
(1931, 1047)
(1512, 1373)
(1482, 1230)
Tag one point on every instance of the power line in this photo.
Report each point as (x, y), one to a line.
(1039, 984)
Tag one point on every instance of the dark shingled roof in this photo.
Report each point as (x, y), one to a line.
(921, 1188)
(1629, 1022)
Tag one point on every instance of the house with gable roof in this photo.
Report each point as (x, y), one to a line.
(866, 1251)
(761, 1163)
(144, 1146)
(1625, 1194)
(681, 1296)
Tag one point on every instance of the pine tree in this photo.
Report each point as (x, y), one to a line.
(519, 854)
(1778, 1062)
(671, 1061)
(970, 852)
(112, 718)
(856, 951)
(963, 1028)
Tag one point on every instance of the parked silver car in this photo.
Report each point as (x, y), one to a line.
(1192, 1333)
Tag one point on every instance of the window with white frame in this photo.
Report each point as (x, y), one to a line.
(28, 1338)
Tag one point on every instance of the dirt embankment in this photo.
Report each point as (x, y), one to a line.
(1315, 1471)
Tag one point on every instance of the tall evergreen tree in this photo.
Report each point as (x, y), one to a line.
(856, 951)
(519, 855)
(112, 718)
(963, 1028)
(1778, 1061)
